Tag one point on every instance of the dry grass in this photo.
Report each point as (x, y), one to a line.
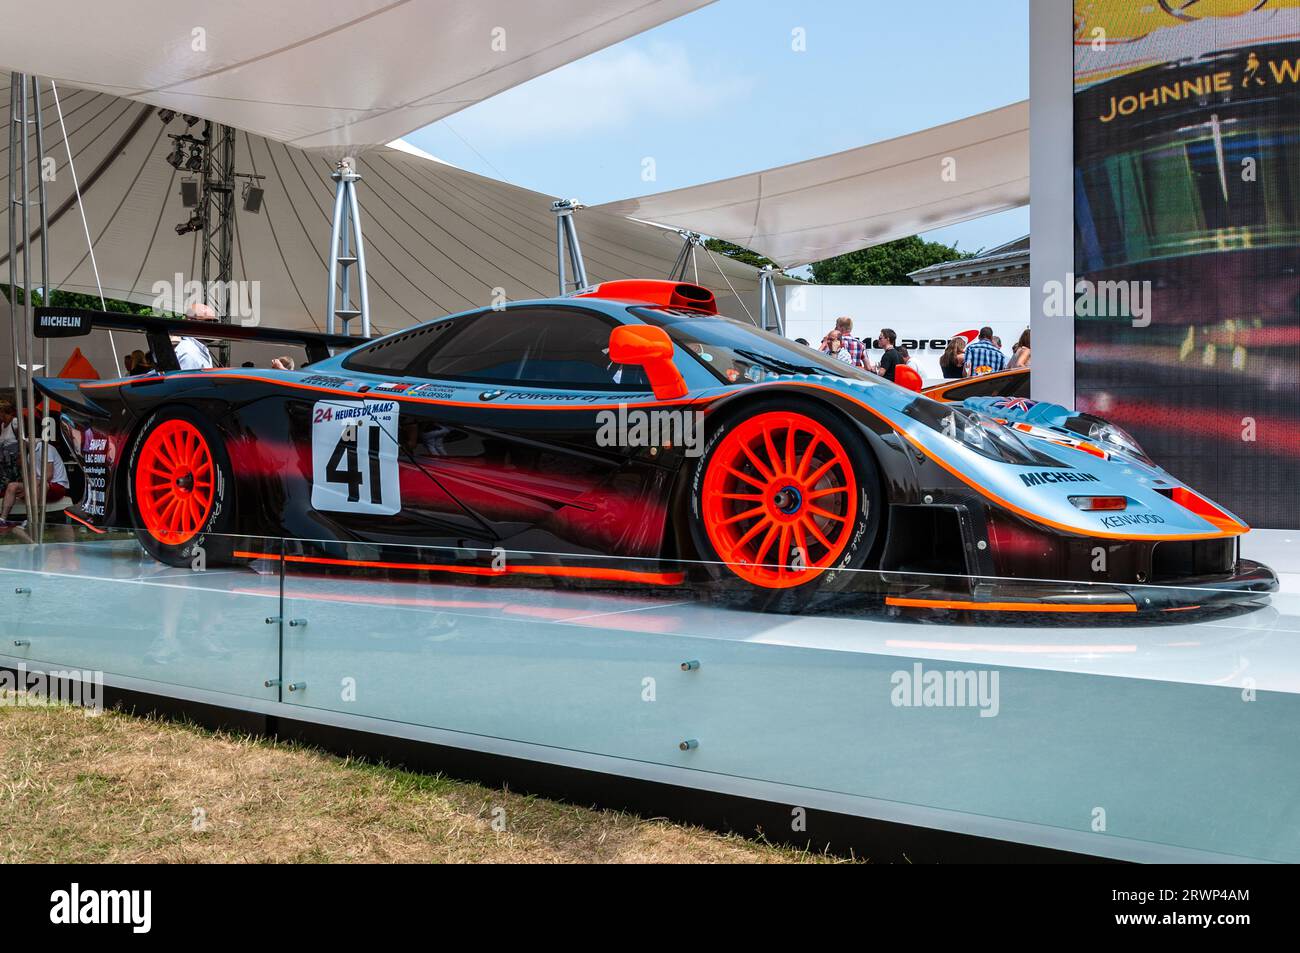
(120, 789)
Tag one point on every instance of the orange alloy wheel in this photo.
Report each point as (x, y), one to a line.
(174, 482)
(779, 499)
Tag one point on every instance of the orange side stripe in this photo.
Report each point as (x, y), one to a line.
(407, 398)
(89, 526)
(572, 572)
(1007, 606)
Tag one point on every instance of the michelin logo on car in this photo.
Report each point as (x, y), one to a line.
(1057, 476)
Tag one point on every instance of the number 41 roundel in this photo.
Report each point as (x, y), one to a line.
(354, 457)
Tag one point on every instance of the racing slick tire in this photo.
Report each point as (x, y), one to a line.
(785, 502)
(180, 490)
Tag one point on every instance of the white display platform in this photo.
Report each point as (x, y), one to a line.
(1171, 741)
(1278, 549)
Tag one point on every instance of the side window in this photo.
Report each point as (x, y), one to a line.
(544, 347)
(395, 353)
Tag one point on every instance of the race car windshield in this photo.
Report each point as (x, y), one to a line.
(736, 352)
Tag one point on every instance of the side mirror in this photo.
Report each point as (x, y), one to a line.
(649, 348)
(905, 376)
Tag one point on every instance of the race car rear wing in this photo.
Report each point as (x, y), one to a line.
(54, 322)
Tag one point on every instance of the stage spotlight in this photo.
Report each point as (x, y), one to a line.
(177, 157)
(252, 199)
(191, 120)
(194, 224)
(195, 163)
(190, 193)
(166, 115)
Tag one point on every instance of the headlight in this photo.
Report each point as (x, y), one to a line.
(986, 436)
(1110, 437)
(974, 431)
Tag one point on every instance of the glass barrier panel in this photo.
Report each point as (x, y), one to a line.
(98, 601)
(986, 699)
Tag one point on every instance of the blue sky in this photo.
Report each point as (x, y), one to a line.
(720, 92)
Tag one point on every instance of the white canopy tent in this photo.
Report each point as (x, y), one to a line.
(439, 239)
(307, 82)
(813, 210)
(315, 74)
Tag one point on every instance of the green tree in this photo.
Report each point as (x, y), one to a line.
(74, 299)
(720, 247)
(887, 264)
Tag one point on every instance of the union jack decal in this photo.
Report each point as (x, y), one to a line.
(1014, 403)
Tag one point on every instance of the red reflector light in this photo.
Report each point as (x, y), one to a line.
(1092, 503)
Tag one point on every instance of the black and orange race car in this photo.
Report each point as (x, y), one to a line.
(628, 434)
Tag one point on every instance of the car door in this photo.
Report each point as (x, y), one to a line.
(499, 414)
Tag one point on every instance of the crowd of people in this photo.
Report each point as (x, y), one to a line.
(961, 358)
(841, 344)
(984, 355)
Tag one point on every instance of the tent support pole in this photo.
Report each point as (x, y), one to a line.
(769, 303)
(18, 212)
(567, 246)
(43, 195)
(345, 231)
(38, 505)
(686, 257)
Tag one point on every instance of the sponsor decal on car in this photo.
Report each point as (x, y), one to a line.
(96, 453)
(567, 398)
(1131, 519)
(432, 391)
(354, 457)
(327, 380)
(1042, 477)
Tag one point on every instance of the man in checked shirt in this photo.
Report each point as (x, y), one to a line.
(984, 357)
(858, 355)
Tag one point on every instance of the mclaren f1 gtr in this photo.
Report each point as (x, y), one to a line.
(629, 434)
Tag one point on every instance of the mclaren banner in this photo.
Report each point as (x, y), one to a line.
(1187, 198)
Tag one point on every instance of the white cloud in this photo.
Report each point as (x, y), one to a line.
(599, 93)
